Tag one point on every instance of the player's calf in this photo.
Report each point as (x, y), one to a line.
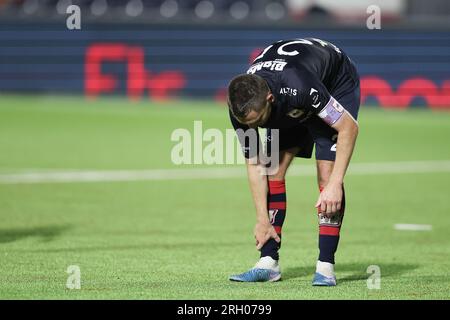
(276, 204)
(329, 234)
(267, 268)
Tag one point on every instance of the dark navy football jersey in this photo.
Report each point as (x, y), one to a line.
(300, 73)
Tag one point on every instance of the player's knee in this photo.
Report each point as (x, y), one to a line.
(324, 169)
(322, 181)
(279, 175)
(284, 163)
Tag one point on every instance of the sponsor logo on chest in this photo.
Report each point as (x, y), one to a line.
(288, 91)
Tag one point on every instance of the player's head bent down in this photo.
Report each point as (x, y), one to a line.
(250, 99)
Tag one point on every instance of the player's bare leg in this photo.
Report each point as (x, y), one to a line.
(329, 229)
(267, 268)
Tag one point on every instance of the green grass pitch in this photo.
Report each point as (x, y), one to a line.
(181, 239)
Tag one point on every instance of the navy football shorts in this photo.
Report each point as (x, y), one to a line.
(315, 131)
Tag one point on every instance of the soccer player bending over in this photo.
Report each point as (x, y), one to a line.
(308, 89)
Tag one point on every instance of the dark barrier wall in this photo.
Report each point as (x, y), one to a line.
(398, 68)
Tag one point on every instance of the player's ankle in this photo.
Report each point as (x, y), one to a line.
(325, 268)
(267, 262)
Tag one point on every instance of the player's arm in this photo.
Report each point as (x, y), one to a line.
(257, 178)
(258, 186)
(317, 99)
(347, 129)
(330, 199)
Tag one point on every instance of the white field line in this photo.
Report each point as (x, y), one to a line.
(61, 176)
(412, 227)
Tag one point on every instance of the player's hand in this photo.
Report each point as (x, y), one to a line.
(264, 232)
(330, 199)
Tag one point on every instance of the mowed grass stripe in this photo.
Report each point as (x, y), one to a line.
(407, 167)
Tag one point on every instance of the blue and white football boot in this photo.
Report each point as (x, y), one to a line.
(266, 270)
(324, 275)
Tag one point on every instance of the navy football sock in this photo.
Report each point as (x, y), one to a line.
(276, 203)
(329, 229)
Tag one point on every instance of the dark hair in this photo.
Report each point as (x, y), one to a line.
(247, 92)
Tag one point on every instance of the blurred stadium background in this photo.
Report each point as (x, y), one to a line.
(160, 49)
(99, 105)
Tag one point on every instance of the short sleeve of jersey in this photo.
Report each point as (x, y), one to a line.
(311, 95)
(248, 137)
